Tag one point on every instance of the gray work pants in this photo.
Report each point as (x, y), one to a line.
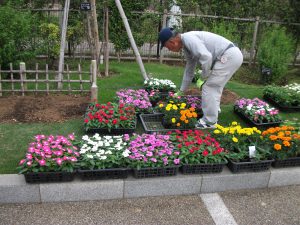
(212, 89)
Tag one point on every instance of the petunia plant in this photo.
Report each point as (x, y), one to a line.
(109, 116)
(162, 85)
(195, 147)
(151, 150)
(237, 141)
(284, 141)
(102, 152)
(257, 110)
(137, 98)
(50, 154)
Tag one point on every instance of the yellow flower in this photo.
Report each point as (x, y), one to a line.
(161, 105)
(168, 108)
(217, 131)
(234, 123)
(234, 139)
(175, 107)
(173, 120)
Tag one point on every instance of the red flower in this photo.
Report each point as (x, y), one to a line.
(179, 145)
(86, 120)
(97, 105)
(121, 105)
(106, 121)
(205, 153)
(114, 121)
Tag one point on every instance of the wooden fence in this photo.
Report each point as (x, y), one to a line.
(46, 81)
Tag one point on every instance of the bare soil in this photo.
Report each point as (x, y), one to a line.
(59, 108)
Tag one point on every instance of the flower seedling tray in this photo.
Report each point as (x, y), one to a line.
(101, 174)
(280, 106)
(117, 131)
(203, 168)
(253, 123)
(252, 166)
(290, 162)
(45, 177)
(154, 123)
(155, 172)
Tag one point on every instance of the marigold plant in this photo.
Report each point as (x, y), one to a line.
(284, 141)
(178, 115)
(237, 140)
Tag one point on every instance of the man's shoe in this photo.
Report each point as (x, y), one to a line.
(202, 125)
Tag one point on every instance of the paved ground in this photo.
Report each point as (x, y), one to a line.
(276, 206)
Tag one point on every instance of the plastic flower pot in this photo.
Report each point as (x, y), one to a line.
(282, 107)
(203, 168)
(155, 172)
(252, 166)
(289, 162)
(102, 174)
(45, 177)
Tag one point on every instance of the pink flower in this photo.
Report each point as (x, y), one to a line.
(59, 161)
(176, 161)
(42, 162)
(29, 163)
(71, 136)
(153, 160)
(22, 161)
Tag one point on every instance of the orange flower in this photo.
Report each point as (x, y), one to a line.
(286, 138)
(287, 132)
(186, 121)
(178, 124)
(286, 144)
(273, 137)
(194, 115)
(277, 147)
(281, 134)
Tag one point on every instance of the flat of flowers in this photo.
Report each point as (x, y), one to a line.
(290, 162)
(254, 166)
(116, 131)
(45, 177)
(203, 168)
(155, 172)
(101, 174)
(280, 106)
(256, 124)
(153, 123)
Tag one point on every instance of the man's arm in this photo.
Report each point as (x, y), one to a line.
(188, 73)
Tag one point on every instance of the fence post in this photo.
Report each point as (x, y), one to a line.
(0, 83)
(161, 55)
(23, 77)
(94, 88)
(251, 61)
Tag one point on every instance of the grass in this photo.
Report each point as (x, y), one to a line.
(14, 138)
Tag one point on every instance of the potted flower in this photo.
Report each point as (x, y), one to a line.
(110, 118)
(152, 155)
(137, 98)
(284, 143)
(50, 158)
(162, 85)
(286, 98)
(199, 152)
(102, 157)
(246, 150)
(177, 115)
(257, 112)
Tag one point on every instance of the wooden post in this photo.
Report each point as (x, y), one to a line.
(94, 88)
(94, 31)
(47, 80)
(63, 43)
(131, 39)
(36, 77)
(0, 83)
(80, 78)
(161, 56)
(106, 41)
(252, 51)
(23, 77)
(12, 78)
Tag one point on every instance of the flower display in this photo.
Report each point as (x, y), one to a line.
(178, 115)
(49, 154)
(109, 116)
(284, 141)
(151, 150)
(257, 110)
(237, 141)
(137, 98)
(196, 147)
(162, 85)
(288, 95)
(101, 152)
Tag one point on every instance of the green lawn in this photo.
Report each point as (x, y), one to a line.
(14, 138)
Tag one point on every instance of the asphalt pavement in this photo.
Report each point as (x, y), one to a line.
(274, 206)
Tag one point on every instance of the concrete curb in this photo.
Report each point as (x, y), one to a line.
(14, 189)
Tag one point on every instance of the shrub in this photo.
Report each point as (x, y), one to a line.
(275, 52)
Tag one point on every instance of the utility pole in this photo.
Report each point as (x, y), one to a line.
(63, 43)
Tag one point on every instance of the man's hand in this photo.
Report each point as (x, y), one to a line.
(178, 93)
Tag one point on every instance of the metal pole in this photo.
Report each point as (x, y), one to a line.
(63, 43)
(251, 61)
(131, 39)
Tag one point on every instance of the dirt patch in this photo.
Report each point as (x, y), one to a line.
(54, 108)
(228, 97)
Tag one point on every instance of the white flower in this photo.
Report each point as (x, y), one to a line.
(126, 153)
(108, 152)
(85, 137)
(89, 156)
(103, 157)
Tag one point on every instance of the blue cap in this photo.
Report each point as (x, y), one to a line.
(164, 35)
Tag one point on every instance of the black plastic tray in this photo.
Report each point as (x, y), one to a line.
(290, 162)
(155, 172)
(100, 174)
(203, 168)
(254, 166)
(117, 131)
(253, 123)
(45, 177)
(281, 107)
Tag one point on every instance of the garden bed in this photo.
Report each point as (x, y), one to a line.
(281, 107)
